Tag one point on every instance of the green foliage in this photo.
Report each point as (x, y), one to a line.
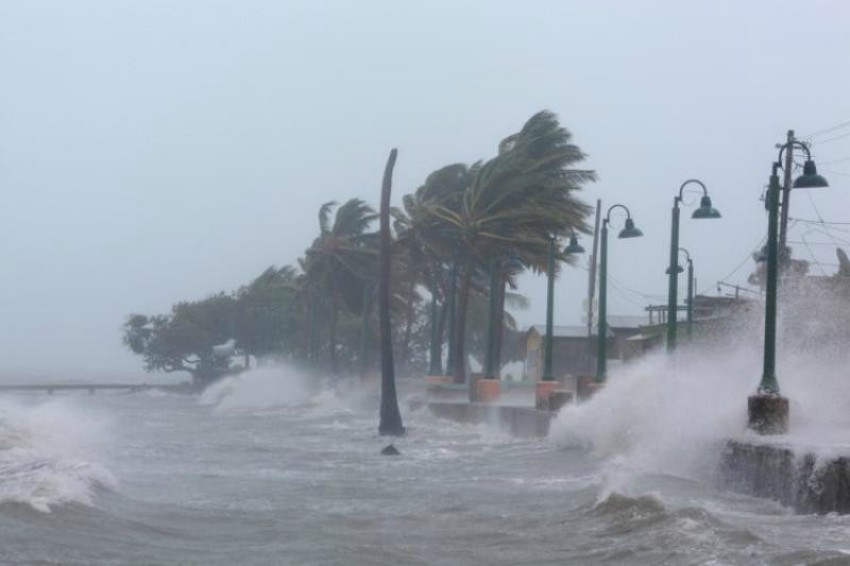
(501, 212)
(259, 319)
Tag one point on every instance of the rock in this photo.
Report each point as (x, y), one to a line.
(390, 451)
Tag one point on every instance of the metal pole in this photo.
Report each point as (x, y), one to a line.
(602, 329)
(691, 290)
(591, 283)
(769, 384)
(673, 278)
(786, 194)
(550, 293)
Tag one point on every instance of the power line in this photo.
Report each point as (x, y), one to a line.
(744, 261)
(821, 221)
(834, 172)
(831, 161)
(806, 243)
(827, 130)
(842, 136)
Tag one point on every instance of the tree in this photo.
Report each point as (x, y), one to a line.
(267, 317)
(390, 417)
(422, 243)
(184, 340)
(338, 263)
(513, 205)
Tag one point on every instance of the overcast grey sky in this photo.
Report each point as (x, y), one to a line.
(153, 151)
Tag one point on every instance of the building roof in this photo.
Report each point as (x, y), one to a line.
(626, 321)
(566, 331)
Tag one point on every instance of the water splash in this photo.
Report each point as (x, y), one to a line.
(672, 416)
(50, 454)
(277, 387)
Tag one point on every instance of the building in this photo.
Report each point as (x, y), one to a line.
(574, 353)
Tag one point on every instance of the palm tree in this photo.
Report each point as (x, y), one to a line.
(338, 263)
(422, 241)
(390, 417)
(513, 205)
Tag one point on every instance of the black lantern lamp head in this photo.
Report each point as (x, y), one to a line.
(705, 209)
(810, 178)
(630, 231)
(573, 247)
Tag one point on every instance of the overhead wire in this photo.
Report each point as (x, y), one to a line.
(838, 126)
(831, 161)
(832, 139)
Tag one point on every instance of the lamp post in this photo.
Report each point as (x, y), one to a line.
(602, 329)
(767, 409)
(705, 210)
(690, 295)
(435, 352)
(572, 248)
(690, 299)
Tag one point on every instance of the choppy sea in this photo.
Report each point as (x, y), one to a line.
(263, 469)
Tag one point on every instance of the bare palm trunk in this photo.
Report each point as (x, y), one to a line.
(390, 417)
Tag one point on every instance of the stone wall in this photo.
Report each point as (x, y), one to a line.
(777, 472)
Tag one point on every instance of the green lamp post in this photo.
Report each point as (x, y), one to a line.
(767, 409)
(602, 326)
(690, 299)
(690, 294)
(572, 248)
(705, 210)
(435, 350)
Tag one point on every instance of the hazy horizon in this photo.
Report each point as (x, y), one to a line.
(153, 152)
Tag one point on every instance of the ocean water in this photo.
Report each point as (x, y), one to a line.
(265, 469)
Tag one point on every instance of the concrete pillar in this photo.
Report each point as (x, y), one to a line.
(768, 414)
(488, 390)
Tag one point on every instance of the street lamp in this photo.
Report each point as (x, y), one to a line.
(602, 330)
(767, 409)
(690, 294)
(705, 210)
(691, 283)
(572, 248)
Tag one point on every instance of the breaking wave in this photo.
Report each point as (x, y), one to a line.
(273, 388)
(49, 455)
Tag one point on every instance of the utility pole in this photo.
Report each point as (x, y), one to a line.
(786, 195)
(591, 283)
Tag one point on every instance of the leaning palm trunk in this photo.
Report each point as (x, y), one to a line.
(390, 417)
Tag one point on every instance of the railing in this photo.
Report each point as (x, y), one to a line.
(92, 387)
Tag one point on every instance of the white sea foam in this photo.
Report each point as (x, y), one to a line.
(266, 388)
(668, 416)
(50, 454)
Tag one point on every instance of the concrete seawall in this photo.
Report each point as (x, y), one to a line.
(807, 479)
(794, 476)
(523, 422)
